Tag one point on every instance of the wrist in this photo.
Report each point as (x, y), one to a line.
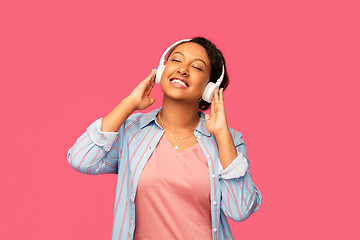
(222, 132)
(130, 104)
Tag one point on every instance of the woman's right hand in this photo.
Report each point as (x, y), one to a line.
(139, 97)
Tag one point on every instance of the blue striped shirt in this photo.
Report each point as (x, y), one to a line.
(233, 193)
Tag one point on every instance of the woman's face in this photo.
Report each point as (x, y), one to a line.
(186, 73)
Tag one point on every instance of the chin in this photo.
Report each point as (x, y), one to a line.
(174, 96)
(180, 98)
(178, 94)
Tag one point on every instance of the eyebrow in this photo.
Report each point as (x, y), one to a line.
(194, 58)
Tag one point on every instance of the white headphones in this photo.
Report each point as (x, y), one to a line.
(208, 93)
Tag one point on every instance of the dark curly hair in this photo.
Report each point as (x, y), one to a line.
(216, 60)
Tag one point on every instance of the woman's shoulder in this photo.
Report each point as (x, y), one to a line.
(133, 119)
(139, 119)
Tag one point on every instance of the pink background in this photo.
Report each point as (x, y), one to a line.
(293, 93)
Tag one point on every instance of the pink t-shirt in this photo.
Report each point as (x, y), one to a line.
(172, 199)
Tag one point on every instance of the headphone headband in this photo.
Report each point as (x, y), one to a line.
(169, 48)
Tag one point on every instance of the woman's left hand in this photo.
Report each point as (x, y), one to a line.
(216, 121)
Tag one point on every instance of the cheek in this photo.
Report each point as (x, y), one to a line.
(201, 85)
(167, 70)
(205, 81)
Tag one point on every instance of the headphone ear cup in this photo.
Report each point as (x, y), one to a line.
(208, 93)
(159, 72)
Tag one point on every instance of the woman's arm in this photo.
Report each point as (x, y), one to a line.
(98, 149)
(95, 152)
(138, 100)
(239, 195)
(226, 146)
(216, 124)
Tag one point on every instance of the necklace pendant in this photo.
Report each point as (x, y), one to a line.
(176, 147)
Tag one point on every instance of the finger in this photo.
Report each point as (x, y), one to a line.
(152, 100)
(212, 112)
(222, 95)
(149, 87)
(153, 75)
(152, 81)
(149, 77)
(216, 95)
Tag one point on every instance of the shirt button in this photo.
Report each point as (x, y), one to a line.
(213, 175)
(215, 229)
(207, 156)
(214, 202)
(198, 137)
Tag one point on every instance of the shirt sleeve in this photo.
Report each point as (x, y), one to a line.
(95, 152)
(237, 167)
(239, 195)
(101, 139)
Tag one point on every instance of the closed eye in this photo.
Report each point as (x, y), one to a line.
(198, 68)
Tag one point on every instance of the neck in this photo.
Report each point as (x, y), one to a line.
(179, 115)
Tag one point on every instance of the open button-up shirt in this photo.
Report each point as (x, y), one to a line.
(233, 193)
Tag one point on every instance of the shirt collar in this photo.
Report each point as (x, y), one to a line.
(151, 116)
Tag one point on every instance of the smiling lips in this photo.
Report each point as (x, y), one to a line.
(179, 82)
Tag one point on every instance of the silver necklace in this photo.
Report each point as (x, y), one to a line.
(176, 146)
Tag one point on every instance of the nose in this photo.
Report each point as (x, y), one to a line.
(183, 70)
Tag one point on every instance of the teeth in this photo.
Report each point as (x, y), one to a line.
(178, 81)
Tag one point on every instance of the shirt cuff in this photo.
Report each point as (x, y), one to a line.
(102, 139)
(236, 169)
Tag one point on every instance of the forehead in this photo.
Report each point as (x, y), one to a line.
(192, 50)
